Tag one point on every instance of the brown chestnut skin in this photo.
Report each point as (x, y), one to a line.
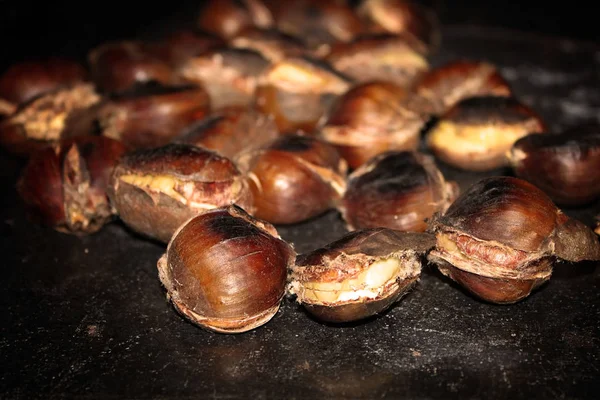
(402, 17)
(64, 185)
(152, 115)
(500, 237)
(359, 275)
(156, 190)
(399, 190)
(294, 179)
(227, 18)
(272, 44)
(477, 132)
(226, 271)
(229, 75)
(566, 165)
(441, 88)
(370, 119)
(384, 57)
(180, 45)
(119, 66)
(46, 119)
(24, 81)
(297, 92)
(231, 131)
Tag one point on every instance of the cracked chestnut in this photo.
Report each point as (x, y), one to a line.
(566, 165)
(227, 18)
(294, 179)
(272, 44)
(399, 190)
(477, 132)
(156, 190)
(500, 238)
(359, 275)
(64, 185)
(225, 271)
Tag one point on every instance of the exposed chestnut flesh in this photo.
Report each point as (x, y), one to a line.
(358, 275)
(156, 190)
(272, 44)
(226, 271)
(396, 190)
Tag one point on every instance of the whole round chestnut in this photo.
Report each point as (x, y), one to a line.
(294, 179)
(359, 275)
(500, 238)
(441, 88)
(566, 165)
(156, 190)
(399, 190)
(226, 18)
(370, 119)
(64, 185)
(226, 271)
(477, 132)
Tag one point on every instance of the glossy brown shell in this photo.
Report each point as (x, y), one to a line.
(227, 18)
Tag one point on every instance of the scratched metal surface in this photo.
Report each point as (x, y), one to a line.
(87, 317)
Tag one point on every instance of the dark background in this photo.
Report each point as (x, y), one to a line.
(31, 29)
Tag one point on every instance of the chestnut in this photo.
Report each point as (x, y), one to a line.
(399, 190)
(441, 88)
(297, 92)
(152, 115)
(272, 44)
(390, 58)
(369, 119)
(500, 237)
(229, 75)
(156, 190)
(477, 132)
(46, 118)
(24, 81)
(226, 18)
(565, 165)
(359, 275)
(597, 230)
(118, 66)
(180, 45)
(230, 131)
(225, 271)
(64, 185)
(402, 17)
(293, 179)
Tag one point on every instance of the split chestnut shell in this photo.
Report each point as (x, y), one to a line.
(226, 271)
(359, 275)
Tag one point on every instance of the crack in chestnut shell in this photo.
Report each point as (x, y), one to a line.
(396, 190)
(566, 166)
(212, 179)
(226, 271)
(294, 179)
(272, 44)
(227, 18)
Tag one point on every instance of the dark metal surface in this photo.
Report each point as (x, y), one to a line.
(87, 317)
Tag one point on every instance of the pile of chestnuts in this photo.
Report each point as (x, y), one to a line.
(272, 113)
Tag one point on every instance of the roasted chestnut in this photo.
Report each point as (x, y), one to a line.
(24, 81)
(229, 75)
(399, 190)
(226, 271)
(566, 166)
(597, 230)
(402, 16)
(152, 115)
(441, 88)
(118, 66)
(46, 118)
(294, 179)
(226, 18)
(272, 44)
(297, 92)
(391, 58)
(156, 190)
(359, 275)
(500, 237)
(64, 185)
(477, 132)
(369, 119)
(231, 131)
(180, 45)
